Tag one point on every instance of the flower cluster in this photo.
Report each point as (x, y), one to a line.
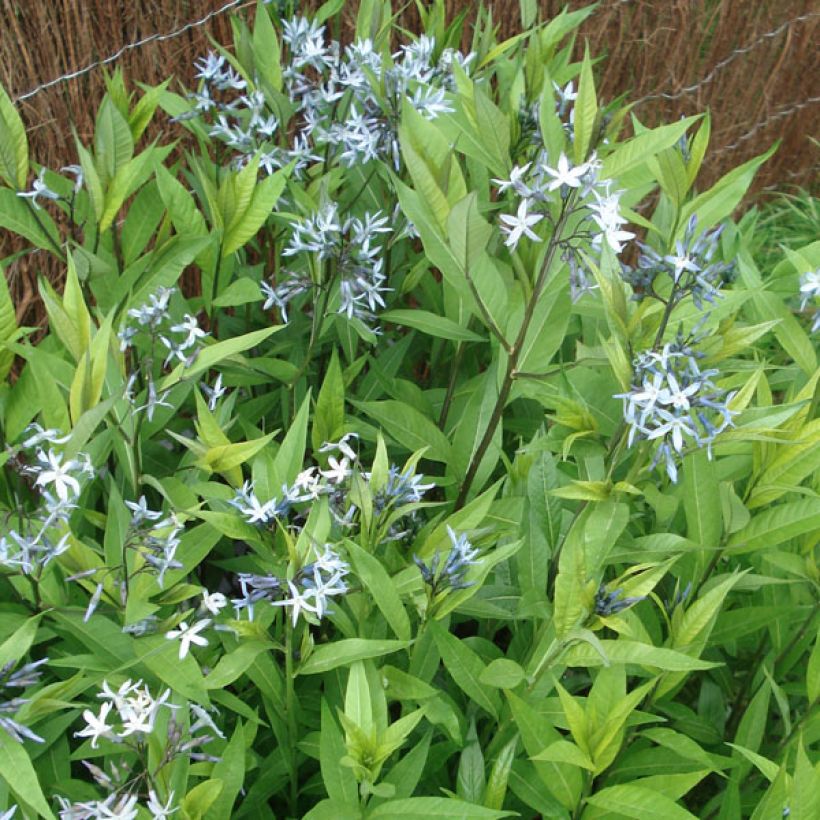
(181, 342)
(56, 482)
(611, 603)
(598, 206)
(358, 277)
(672, 400)
(127, 717)
(694, 268)
(308, 591)
(27, 675)
(451, 575)
(810, 295)
(401, 489)
(347, 100)
(154, 537)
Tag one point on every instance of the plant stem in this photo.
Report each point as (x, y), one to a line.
(290, 709)
(512, 362)
(451, 386)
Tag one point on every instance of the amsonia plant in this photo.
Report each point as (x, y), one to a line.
(421, 440)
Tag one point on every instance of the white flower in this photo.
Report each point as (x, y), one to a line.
(192, 330)
(214, 393)
(140, 512)
(338, 472)
(214, 601)
(188, 635)
(809, 287)
(39, 188)
(158, 811)
(96, 725)
(515, 181)
(59, 476)
(565, 174)
(681, 262)
(78, 183)
(520, 225)
(298, 601)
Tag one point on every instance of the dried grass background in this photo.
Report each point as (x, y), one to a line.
(651, 47)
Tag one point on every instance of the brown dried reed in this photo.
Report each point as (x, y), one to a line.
(652, 47)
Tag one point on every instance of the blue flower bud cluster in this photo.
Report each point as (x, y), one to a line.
(309, 589)
(673, 402)
(25, 676)
(402, 489)
(694, 268)
(353, 245)
(347, 99)
(611, 603)
(452, 575)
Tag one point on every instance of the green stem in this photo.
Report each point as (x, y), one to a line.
(451, 386)
(290, 709)
(512, 362)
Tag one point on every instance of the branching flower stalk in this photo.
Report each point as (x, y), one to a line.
(515, 351)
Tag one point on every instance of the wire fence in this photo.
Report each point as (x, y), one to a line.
(238, 5)
(232, 5)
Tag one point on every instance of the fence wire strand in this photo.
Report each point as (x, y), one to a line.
(236, 5)
(231, 5)
(728, 60)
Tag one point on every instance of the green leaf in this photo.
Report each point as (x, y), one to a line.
(344, 652)
(201, 798)
(245, 227)
(235, 663)
(471, 778)
(19, 775)
(701, 500)
(432, 324)
(339, 781)
(562, 751)
(496, 789)
(8, 326)
(634, 152)
(561, 779)
(13, 144)
(113, 143)
(241, 291)
(805, 802)
(266, 55)
(502, 673)
(768, 768)
(638, 802)
(129, 177)
(466, 668)
(586, 110)
(723, 197)
(375, 577)
(19, 642)
(329, 415)
(231, 771)
(16, 216)
(291, 454)
(408, 427)
(766, 306)
(216, 353)
(405, 775)
(776, 525)
(420, 808)
(627, 651)
(544, 512)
